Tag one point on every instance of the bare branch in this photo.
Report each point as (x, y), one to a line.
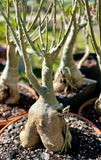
(28, 39)
(33, 35)
(55, 51)
(99, 18)
(7, 28)
(46, 34)
(54, 24)
(40, 35)
(60, 33)
(29, 73)
(36, 17)
(94, 43)
(12, 31)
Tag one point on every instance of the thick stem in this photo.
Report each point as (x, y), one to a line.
(9, 77)
(68, 74)
(10, 72)
(47, 81)
(67, 56)
(47, 71)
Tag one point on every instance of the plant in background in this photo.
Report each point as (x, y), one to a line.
(67, 73)
(45, 122)
(10, 76)
(96, 45)
(87, 34)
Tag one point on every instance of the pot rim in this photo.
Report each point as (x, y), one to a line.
(98, 132)
(85, 104)
(4, 122)
(13, 121)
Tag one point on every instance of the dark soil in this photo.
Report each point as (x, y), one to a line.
(22, 107)
(70, 92)
(89, 113)
(86, 143)
(89, 67)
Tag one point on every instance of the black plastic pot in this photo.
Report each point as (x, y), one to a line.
(89, 91)
(91, 72)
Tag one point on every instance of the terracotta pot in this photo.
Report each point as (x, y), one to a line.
(12, 121)
(4, 122)
(87, 110)
(89, 122)
(38, 151)
(74, 114)
(86, 104)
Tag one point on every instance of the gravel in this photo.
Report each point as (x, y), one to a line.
(86, 143)
(23, 105)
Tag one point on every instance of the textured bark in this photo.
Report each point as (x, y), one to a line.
(67, 73)
(45, 123)
(9, 77)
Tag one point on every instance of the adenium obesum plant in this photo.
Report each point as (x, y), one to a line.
(9, 78)
(45, 121)
(96, 45)
(67, 73)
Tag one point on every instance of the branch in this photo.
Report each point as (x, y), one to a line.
(28, 39)
(24, 9)
(54, 24)
(40, 35)
(36, 17)
(32, 36)
(29, 73)
(99, 18)
(7, 28)
(46, 47)
(55, 51)
(12, 31)
(94, 43)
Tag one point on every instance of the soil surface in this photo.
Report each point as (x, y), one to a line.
(86, 143)
(22, 107)
(89, 67)
(70, 92)
(89, 113)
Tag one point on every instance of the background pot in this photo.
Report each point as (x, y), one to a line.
(81, 96)
(3, 49)
(30, 90)
(90, 67)
(87, 110)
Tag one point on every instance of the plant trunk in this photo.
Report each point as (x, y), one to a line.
(45, 123)
(97, 106)
(9, 77)
(67, 73)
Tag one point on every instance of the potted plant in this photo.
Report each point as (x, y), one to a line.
(68, 75)
(46, 122)
(9, 87)
(94, 105)
(47, 105)
(85, 141)
(94, 42)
